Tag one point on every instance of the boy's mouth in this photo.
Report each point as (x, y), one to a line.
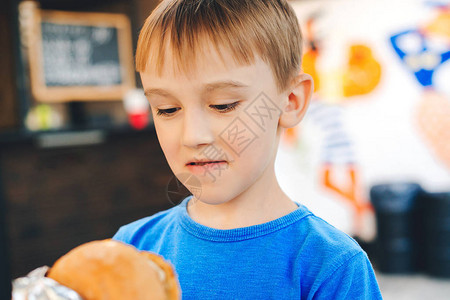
(203, 167)
(204, 163)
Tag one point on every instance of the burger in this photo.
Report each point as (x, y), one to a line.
(112, 270)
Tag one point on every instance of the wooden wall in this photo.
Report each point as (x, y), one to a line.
(57, 199)
(8, 98)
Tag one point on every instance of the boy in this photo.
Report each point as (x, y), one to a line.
(223, 80)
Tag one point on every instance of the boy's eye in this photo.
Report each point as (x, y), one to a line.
(225, 107)
(167, 112)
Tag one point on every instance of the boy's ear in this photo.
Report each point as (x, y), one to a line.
(298, 100)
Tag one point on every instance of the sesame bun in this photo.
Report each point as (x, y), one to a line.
(112, 270)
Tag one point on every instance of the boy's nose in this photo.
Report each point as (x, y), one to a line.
(197, 131)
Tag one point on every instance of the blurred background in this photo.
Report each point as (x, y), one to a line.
(79, 155)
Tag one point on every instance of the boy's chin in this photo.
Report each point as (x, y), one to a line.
(210, 197)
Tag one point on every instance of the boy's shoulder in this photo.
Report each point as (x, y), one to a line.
(319, 232)
(334, 264)
(136, 230)
(322, 243)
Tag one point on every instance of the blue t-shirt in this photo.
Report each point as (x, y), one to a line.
(297, 256)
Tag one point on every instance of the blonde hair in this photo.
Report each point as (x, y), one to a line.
(267, 28)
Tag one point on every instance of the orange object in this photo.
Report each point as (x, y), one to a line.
(111, 270)
(363, 73)
(309, 66)
(348, 192)
(309, 60)
(441, 24)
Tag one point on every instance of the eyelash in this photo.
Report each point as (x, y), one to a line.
(166, 112)
(221, 108)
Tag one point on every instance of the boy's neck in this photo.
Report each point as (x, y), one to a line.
(262, 203)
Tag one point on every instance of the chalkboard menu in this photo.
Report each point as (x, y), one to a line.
(80, 56)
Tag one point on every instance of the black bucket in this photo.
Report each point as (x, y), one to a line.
(396, 209)
(437, 233)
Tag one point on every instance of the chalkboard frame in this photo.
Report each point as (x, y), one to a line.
(56, 94)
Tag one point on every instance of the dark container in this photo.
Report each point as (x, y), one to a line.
(396, 209)
(437, 233)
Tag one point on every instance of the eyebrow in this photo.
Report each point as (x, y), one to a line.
(207, 88)
(220, 85)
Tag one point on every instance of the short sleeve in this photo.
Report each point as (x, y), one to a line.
(353, 280)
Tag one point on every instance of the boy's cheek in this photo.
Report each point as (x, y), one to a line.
(168, 145)
(245, 138)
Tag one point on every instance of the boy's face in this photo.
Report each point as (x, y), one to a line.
(219, 124)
